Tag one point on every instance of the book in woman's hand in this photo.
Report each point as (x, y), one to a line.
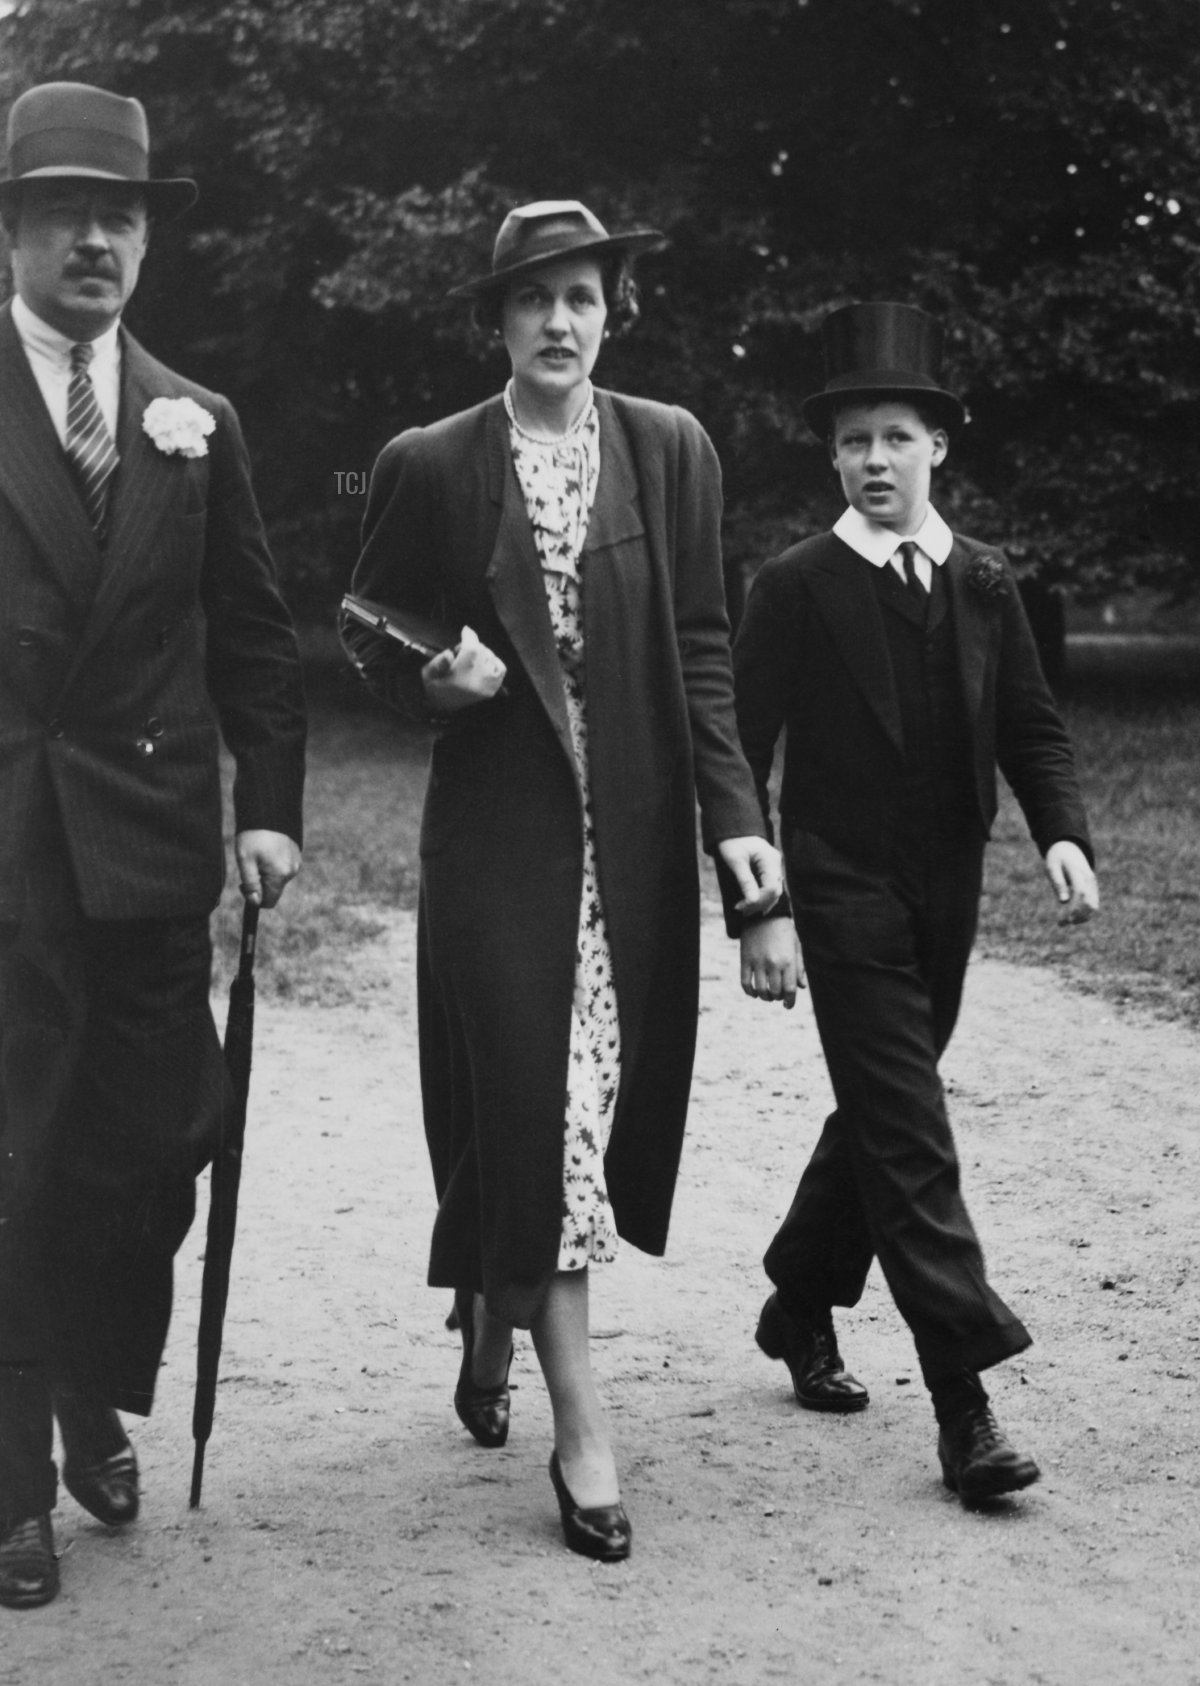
(419, 635)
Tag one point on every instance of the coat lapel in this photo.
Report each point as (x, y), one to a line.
(147, 478)
(514, 578)
(34, 473)
(615, 515)
(975, 622)
(842, 590)
(148, 487)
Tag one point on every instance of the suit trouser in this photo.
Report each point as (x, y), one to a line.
(111, 1089)
(886, 954)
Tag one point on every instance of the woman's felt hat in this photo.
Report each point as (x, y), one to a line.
(72, 131)
(547, 231)
(880, 351)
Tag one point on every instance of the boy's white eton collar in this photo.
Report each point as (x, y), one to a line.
(878, 545)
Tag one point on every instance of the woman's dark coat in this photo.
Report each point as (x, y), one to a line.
(446, 535)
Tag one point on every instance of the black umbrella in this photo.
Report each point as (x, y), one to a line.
(223, 1195)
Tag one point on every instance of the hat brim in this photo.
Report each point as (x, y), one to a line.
(169, 198)
(635, 241)
(878, 386)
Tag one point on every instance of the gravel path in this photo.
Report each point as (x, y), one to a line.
(351, 1531)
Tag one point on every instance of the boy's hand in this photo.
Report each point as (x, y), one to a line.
(1074, 882)
(772, 969)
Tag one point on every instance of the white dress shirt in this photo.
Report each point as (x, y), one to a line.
(881, 545)
(49, 354)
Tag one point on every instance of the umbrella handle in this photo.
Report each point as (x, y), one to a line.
(245, 971)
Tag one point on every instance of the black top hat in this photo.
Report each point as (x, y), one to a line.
(547, 230)
(72, 131)
(881, 351)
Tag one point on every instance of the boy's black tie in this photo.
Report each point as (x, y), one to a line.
(908, 556)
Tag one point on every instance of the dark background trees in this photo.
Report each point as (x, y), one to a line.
(1027, 168)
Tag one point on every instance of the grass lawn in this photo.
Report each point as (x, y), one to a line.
(1139, 760)
(1138, 743)
(366, 783)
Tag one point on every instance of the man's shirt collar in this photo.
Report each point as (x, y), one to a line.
(40, 337)
(49, 356)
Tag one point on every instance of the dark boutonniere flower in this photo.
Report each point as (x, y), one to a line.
(986, 575)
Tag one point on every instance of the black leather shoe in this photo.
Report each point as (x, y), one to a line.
(99, 1465)
(810, 1351)
(602, 1533)
(484, 1411)
(978, 1460)
(28, 1566)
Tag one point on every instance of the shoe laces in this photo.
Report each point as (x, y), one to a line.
(23, 1536)
(982, 1429)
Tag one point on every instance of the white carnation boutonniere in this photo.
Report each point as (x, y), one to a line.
(179, 426)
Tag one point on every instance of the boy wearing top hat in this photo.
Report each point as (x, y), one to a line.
(898, 657)
(141, 622)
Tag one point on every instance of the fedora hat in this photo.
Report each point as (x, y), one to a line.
(881, 351)
(545, 231)
(72, 131)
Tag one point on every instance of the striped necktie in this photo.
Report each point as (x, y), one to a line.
(89, 443)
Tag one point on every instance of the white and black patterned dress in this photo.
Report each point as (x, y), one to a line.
(558, 480)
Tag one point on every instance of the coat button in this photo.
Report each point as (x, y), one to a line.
(154, 727)
(56, 728)
(25, 638)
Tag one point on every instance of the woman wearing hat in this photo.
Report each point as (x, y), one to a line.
(572, 535)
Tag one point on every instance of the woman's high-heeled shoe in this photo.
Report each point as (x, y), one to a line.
(602, 1532)
(481, 1410)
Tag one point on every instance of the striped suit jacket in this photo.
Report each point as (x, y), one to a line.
(122, 668)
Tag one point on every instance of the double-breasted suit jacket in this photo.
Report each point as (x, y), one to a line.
(447, 534)
(884, 844)
(123, 667)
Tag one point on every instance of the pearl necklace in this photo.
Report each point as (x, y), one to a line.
(572, 433)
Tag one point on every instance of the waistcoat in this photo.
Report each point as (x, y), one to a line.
(937, 798)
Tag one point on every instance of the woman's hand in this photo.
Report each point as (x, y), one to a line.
(470, 673)
(758, 868)
(772, 969)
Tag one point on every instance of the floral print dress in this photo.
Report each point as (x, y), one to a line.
(558, 480)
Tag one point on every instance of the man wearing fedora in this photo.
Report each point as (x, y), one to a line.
(141, 621)
(898, 658)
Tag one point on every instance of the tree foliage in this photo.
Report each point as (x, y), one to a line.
(1026, 168)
